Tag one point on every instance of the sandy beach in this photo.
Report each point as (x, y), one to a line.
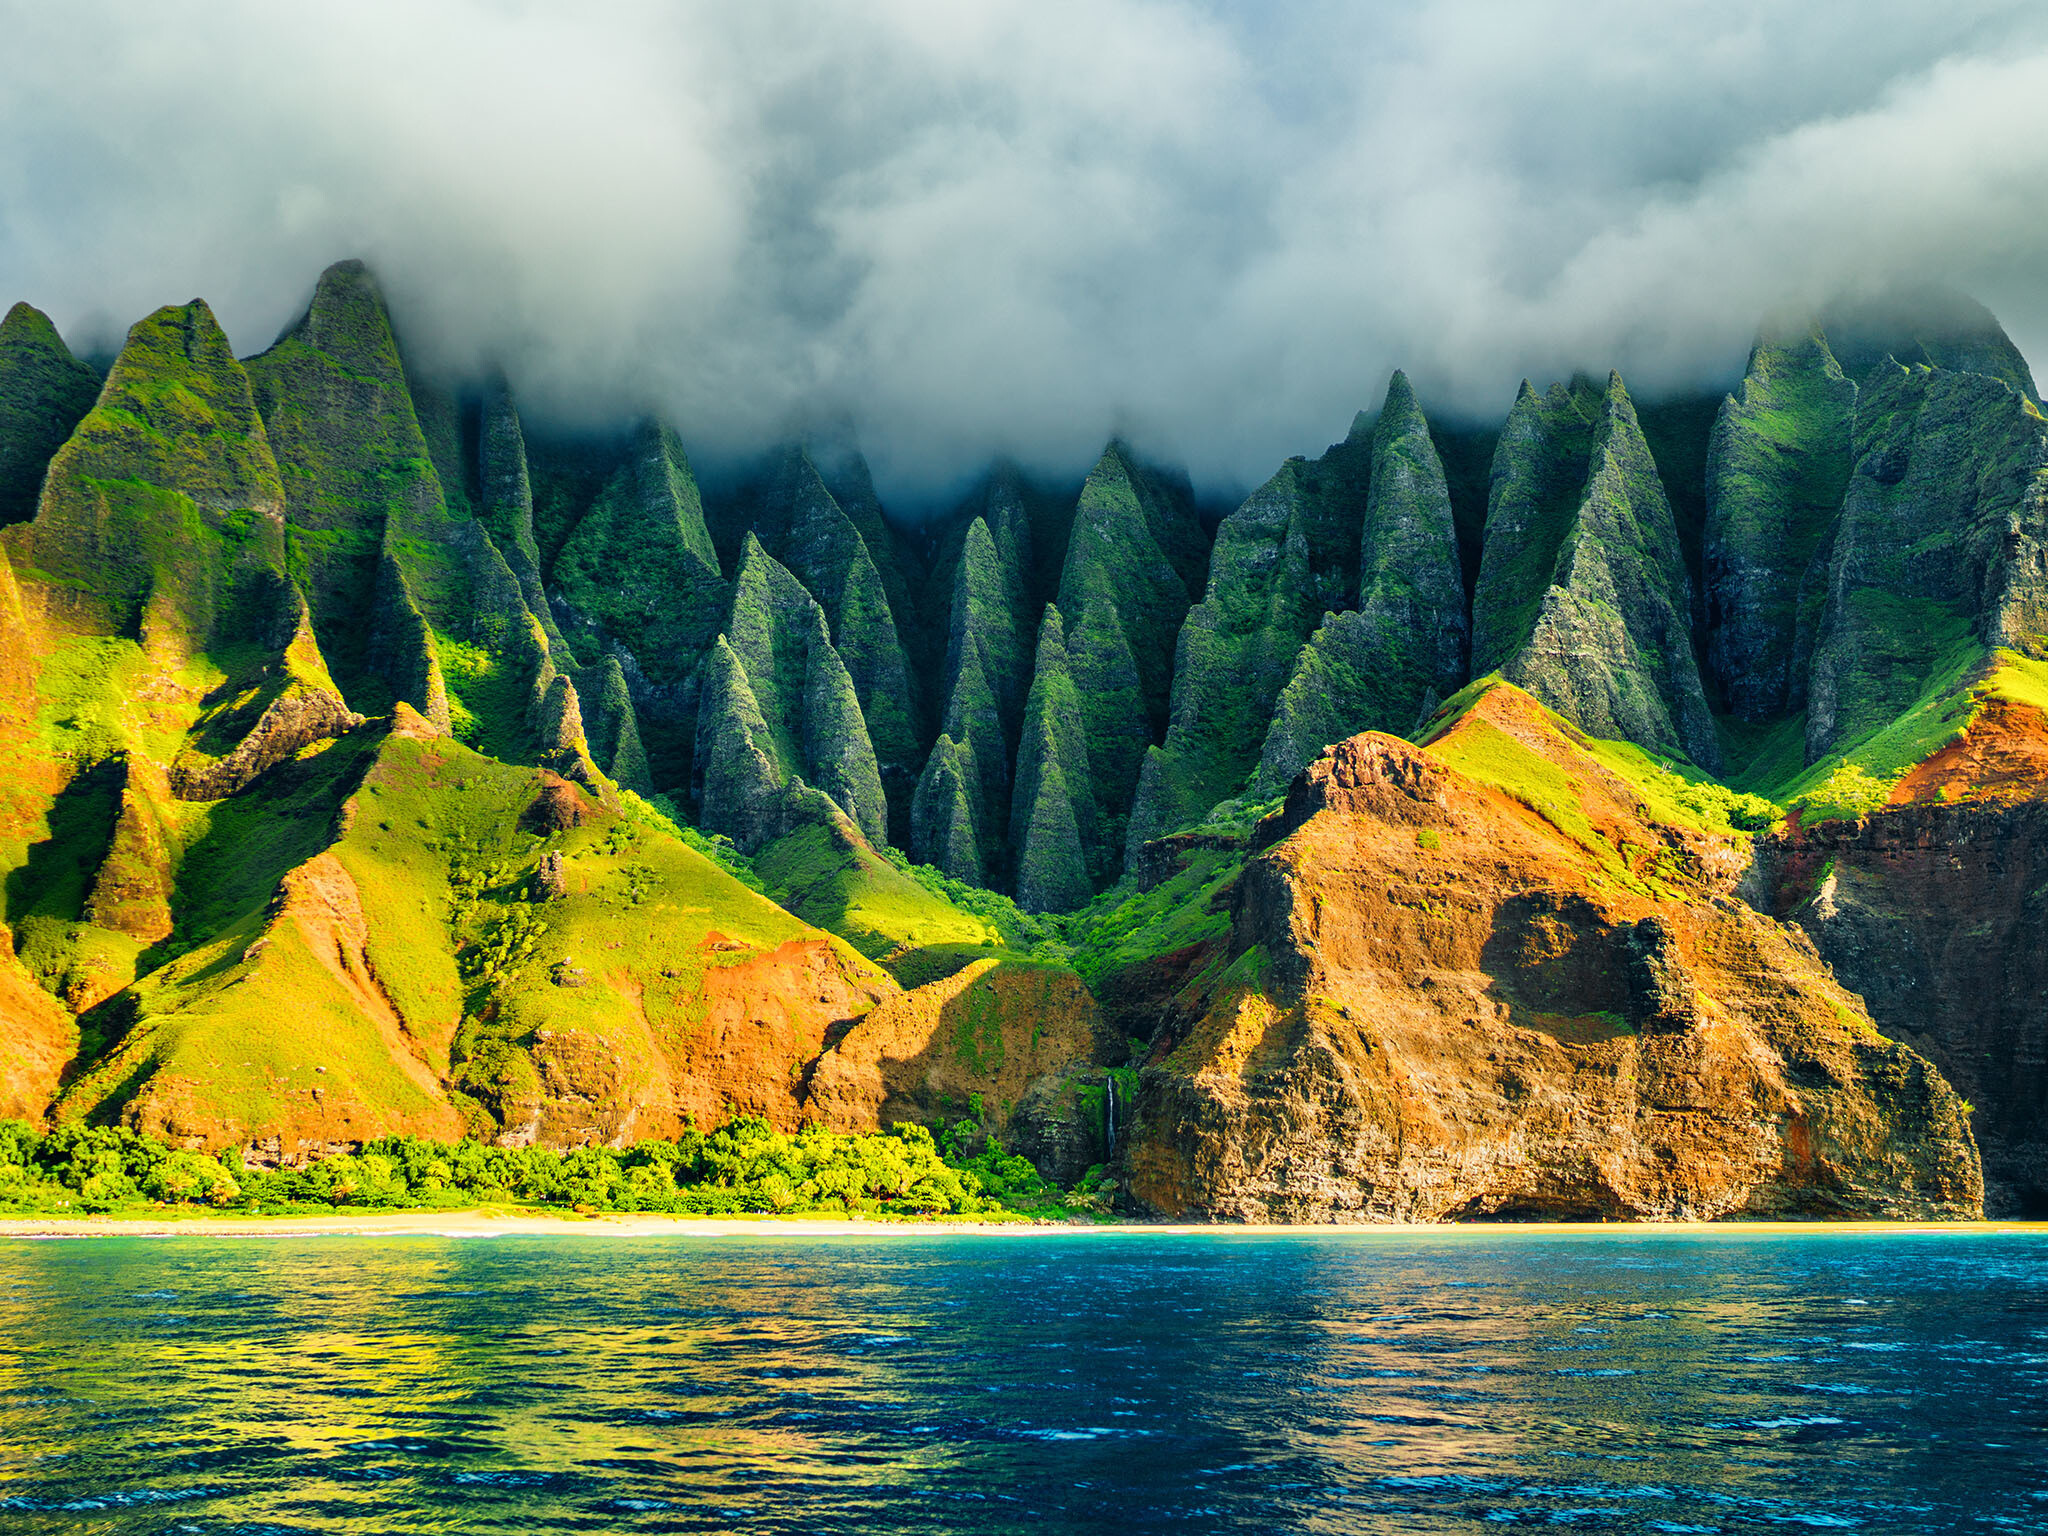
(484, 1222)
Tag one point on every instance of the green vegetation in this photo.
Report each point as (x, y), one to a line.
(1054, 817)
(1232, 657)
(1039, 933)
(44, 391)
(1840, 785)
(1583, 596)
(164, 497)
(1539, 474)
(1134, 558)
(778, 704)
(1124, 927)
(744, 1167)
(1775, 477)
(1554, 784)
(802, 524)
(1259, 689)
(639, 568)
(877, 904)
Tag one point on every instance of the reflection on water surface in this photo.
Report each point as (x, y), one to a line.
(1378, 1382)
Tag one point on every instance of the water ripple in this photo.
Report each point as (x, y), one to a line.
(967, 1385)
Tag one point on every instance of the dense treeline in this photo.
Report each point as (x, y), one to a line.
(745, 1166)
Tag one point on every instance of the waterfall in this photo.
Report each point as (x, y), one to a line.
(1111, 1083)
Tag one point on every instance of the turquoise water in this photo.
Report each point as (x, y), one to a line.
(1099, 1382)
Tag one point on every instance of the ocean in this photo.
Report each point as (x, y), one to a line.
(1378, 1381)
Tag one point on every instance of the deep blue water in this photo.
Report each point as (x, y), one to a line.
(1099, 1382)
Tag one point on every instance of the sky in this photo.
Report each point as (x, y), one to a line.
(1017, 226)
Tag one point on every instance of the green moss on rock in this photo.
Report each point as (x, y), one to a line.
(339, 414)
(162, 515)
(1777, 468)
(44, 393)
(778, 709)
(803, 526)
(1134, 556)
(946, 815)
(1583, 597)
(1943, 539)
(1054, 819)
(1386, 666)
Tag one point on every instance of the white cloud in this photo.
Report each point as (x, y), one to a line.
(1013, 225)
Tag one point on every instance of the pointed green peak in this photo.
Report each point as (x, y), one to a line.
(1615, 400)
(615, 731)
(839, 755)
(1777, 468)
(44, 393)
(502, 470)
(27, 326)
(1052, 644)
(945, 817)
(347, 318)
(1400, 402)
(178, 405)
(165, 504)
(639, 570)
(669, 487)
(980, 545)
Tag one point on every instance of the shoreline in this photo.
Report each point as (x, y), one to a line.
(486, 1222)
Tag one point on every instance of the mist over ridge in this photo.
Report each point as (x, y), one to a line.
(1015, 229)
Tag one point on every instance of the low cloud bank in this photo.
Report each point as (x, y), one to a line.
(1015, 226)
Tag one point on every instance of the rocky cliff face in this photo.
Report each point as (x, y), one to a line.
(1934, 909)
(1434, 1002)
(1134, 557)
(322, 686)
(1387, 665)
(1942, 542)
(801, 524)
(779, 713)
(1583, 598)
(44, 392)
(1776, 472)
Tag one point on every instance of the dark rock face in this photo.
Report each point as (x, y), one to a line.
(1937, 916)
(1433, 1011)
(1776, 472)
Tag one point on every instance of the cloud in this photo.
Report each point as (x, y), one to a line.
(1013, 226)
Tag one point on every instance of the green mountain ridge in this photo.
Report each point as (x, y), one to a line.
(258, 605)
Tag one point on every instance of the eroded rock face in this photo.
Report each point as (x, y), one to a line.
(1435, 1004)
(1938, 916)
(992, 1028)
